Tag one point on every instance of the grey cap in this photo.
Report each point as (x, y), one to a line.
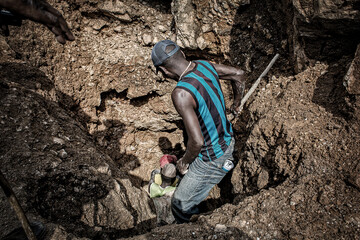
(158, 53)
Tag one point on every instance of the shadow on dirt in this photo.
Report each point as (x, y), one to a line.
(61, 193)
(166, 147)
(333, 42)
(258, 33)
(330, 92)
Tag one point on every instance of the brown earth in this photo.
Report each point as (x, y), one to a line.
(84, 124)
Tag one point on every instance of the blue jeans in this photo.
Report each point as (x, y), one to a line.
(196, 185)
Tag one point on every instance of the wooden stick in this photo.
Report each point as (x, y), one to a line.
(9, 193)
(252, 89)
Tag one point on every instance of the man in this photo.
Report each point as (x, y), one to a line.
(199, 100)
(42, 12)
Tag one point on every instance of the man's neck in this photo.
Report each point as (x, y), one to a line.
(184, 67)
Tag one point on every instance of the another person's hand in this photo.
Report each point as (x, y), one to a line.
(182, 167)
(42, 12)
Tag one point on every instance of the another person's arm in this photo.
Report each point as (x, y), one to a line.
(185, 105)
(42, 12)
(237, 77)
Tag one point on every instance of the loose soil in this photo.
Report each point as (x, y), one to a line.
(83, 125)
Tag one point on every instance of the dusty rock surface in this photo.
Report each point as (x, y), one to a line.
(84, 124)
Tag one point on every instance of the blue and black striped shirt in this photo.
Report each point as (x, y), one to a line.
(203, 84)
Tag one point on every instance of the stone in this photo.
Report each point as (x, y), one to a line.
(220, 228)
(147, 39)
(63, 154)
(115, 7)
(98, 24)
(57, 140)
(263, 179)
(186, 23)
(352, 77)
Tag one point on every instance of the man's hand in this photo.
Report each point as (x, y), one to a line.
(182, 167)
(238, 90)
(42, 12)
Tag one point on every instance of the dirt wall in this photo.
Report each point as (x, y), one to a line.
(84, 124)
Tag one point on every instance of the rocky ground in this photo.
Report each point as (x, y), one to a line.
(84, 124)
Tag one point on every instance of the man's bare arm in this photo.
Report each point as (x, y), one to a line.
(237, 78)
(185, 105)
(42, 12)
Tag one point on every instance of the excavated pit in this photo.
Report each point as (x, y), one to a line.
(84, 124)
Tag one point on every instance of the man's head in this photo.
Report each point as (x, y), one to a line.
(162, 51)
(165, 56)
